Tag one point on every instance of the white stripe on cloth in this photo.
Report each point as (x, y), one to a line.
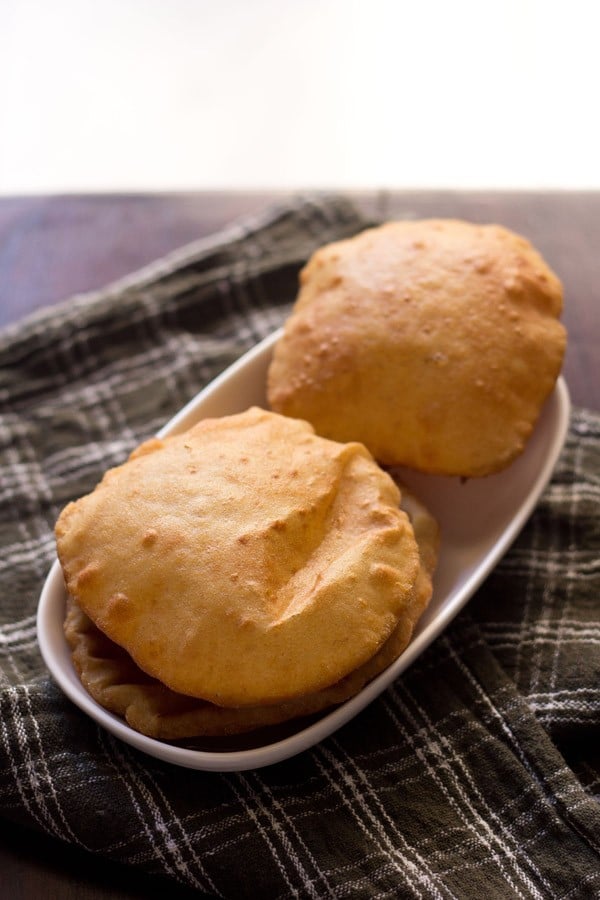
(160, 841)
(506, 730)
(406, 862)
(379, 811)
(288, 822)
(264, 833)
(37, 781)
(445, 759)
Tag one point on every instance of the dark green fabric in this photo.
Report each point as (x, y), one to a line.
(475, 775)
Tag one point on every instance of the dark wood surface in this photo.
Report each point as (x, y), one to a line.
(54, 247)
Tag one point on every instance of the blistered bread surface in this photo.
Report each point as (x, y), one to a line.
(245, 562)
(435, 343)
(112, 678)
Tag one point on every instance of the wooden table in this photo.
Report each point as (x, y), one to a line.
(53, 247)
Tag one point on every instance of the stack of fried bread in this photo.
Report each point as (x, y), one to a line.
(241, 574)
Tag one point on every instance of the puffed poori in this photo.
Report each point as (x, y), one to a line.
(246, 563)
(112, 678)
(435, 343)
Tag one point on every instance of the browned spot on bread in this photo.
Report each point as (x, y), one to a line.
(150, 537)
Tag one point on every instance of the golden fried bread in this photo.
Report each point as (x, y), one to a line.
(246, 562)
(112, 678)
(434, 343)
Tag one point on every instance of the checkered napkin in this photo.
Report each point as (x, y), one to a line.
(473, 775)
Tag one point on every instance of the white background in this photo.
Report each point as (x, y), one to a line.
(99, 95)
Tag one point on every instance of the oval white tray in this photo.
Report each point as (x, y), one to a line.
(479, 519)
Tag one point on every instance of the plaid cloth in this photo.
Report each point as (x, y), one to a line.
(474, 775)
